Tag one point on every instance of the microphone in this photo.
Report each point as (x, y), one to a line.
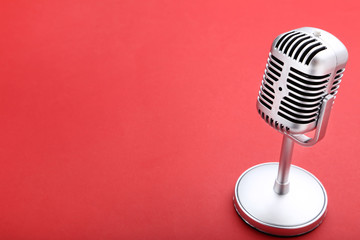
(301, 80)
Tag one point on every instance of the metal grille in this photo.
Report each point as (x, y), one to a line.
(271, 75)
(337, 81)
(303, 101)
(300, 46)
(272, 123)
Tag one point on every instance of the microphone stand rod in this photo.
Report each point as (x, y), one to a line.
(281, 185)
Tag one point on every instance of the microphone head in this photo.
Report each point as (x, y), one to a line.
(304, 66)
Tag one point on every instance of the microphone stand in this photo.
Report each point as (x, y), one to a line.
(282, 184)
(273, 208)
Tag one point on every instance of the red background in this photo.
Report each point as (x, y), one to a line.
(134, 119)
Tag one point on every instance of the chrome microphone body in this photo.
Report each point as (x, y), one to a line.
(302, 77)
(304, 66)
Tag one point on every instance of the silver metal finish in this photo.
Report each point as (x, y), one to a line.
(282, 183)
(304, 66)
(322, 123)
(295, 213)
(301, 79)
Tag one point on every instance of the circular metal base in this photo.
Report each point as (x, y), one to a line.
(295, 213)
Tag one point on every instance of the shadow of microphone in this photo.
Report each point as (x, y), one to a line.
(301, 79)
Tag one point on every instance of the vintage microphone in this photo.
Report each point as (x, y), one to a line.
(302, 76)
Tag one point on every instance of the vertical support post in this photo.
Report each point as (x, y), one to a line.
(282, 184)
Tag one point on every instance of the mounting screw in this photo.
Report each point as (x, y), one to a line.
(317, 34)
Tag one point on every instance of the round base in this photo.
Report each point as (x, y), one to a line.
(295, 213)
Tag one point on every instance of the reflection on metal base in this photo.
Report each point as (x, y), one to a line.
(295, 213)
